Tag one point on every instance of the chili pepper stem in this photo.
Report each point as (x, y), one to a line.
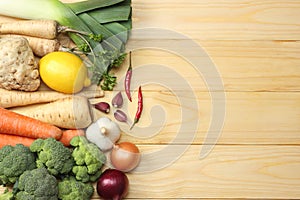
(135, 121)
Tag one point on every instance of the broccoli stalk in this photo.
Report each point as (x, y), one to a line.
(14, 160)
(53, 155)
(69, 189)
(7, 195)
(88, 159)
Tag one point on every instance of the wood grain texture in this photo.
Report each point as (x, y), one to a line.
(251, 118)
(222, 19)
(243, 66)
(228, 172)
(255, 46)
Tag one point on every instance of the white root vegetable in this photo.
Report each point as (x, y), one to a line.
(18, 70)
(13, 98)
(47, 29)
(70, 113)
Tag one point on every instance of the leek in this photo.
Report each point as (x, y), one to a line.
(106, 17)
(119, 12)
(118, 29)
(83, 6)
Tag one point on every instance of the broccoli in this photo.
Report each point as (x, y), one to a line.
(71, 189)
(88, 159)
(14, 160)
(7, 195)
(36, 184)
(53, 155)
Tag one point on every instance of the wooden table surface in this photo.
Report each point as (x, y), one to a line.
(255, 47)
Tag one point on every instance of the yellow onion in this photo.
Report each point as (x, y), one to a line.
(125, 156)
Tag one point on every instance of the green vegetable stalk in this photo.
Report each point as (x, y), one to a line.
(7, 195)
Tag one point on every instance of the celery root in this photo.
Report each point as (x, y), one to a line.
(69, 113)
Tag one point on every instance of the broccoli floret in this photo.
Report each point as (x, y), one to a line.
(71, 189)
(14, 160)
(53, 155)
(88, 159)
(36, 184)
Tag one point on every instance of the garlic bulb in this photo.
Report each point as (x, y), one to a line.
(104, 133)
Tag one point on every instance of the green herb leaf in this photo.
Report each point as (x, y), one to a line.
(117, 62)
(109, 81)
(96, 37)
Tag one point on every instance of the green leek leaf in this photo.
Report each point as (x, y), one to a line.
(83, 6)
(120, 12)
(118, 29)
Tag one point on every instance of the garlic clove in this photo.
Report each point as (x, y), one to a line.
(103, 107)
(120, 116)
(117, 101)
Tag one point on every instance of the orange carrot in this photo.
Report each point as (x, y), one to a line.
(69, 134)
(17, 124)
(12, 140)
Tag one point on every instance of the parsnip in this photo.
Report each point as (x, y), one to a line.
(47, 29)
(70, 113)
(13, 98)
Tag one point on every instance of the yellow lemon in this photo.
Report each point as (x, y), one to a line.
(64, 72)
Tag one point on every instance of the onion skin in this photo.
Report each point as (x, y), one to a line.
(112, 184)
(125, 156)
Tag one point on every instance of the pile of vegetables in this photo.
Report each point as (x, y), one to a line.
(48, 170)
(98, 28)
(51, 147)
(43, 171)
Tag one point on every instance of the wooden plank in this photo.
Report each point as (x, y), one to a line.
(241, 65)
(222, 19)
(228, 172)
(251, 117)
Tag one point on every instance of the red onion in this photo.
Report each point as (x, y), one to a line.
(112, 184)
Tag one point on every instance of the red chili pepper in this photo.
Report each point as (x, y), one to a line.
(139, 109)
(128, 79)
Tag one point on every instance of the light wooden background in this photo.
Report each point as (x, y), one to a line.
(255, 45)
